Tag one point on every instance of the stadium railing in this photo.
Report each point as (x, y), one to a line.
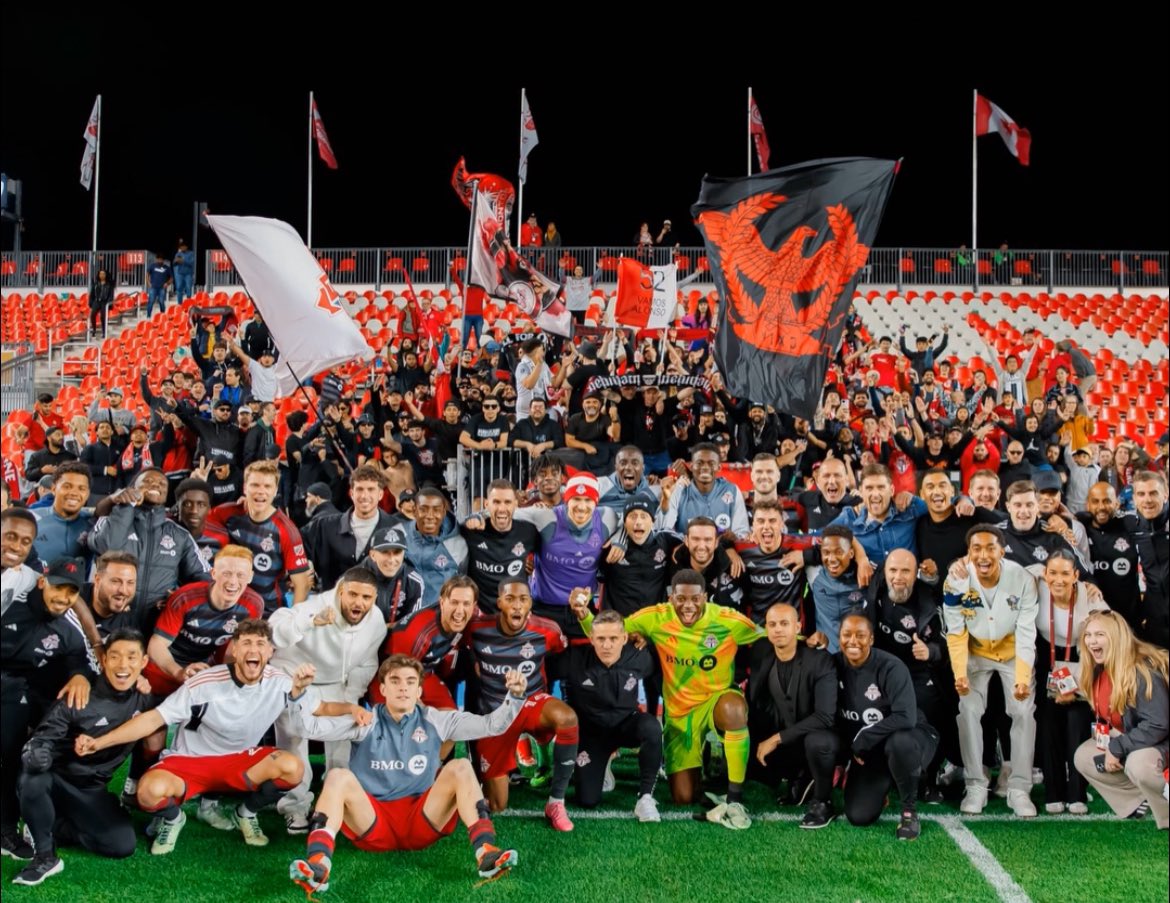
(17, 388)
(40, 270)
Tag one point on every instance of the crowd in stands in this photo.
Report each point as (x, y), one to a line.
(831, 597)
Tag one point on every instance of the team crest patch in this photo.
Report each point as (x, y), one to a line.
(908, 622)
(726, 498)
(1040, 554)
(267, 544)
(659, 557)
(1013, 602)
(230, 626)
(527, 650)
(167, 542)
(51, 642)
(419, 735)
(582, 759)
(442, 561)
(631, 683)
(872, 693)
(518, 549)
(1122, 545)
(709, 641)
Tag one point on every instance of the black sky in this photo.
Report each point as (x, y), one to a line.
(221, 117)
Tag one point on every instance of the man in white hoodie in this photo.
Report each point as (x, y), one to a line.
(338, 632)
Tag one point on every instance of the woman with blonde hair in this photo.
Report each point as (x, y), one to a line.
(1125, 680)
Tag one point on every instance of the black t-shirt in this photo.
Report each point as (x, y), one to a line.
(425, 461)
(479, 429)
(492, 556)
(447, 435)
(584, 431)
(579, 379)
(946, 541)
(528, 430)
(645, 427)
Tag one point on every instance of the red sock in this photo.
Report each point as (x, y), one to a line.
(480, 833)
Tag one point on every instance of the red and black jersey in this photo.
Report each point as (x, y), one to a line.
(199, 631)
(420, 635)
(276, 545)
(766, 581)
(495, 653)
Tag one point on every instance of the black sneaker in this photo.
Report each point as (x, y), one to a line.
(817, 815)
(15, 846)
(39, 869)
(799, 788)
(1137, 814)
(931, 794)
(908, 827)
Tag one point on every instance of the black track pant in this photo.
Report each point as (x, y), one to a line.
(16, 720)
(899, 760)
(814, 754)
(56, 810)
(1060, 729)
(596, 744)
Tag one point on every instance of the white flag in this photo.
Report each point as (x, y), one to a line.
(665, 298)
(528, 138)
(91, 139)
(302, 310)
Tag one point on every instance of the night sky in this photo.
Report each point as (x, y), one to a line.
(622, 138)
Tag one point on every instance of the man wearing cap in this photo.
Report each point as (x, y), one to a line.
(114, 414)
(578, 367)
(760, 434)
(262, 378)
(446, 429)
(219, 438)
(42, 496)
(44, 463)
(531, 235)
(400, 587)
(680, 443)
(339, 633)
(422, 453)
(645, 422)
(256, 338)
(627, 482)
(135, 521)
(335, 544)
(594, 433)
(140, 453)
(707, 494)
(225, 481)
(1161, 463)
(1056, 515)
(183, 271)
(43, 657)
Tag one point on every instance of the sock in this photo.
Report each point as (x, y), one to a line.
(267, 793)
(564, 761)
(141, 759)
(482, 809)
(481, 833)
(735, 750)
(167, 808)
(320, 845)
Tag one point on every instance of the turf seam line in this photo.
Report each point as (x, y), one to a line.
(983, 860)
(624, 815)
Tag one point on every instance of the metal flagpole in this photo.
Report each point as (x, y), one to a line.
(309, 229)
(749, 132)
(97, 180)
(975, 183)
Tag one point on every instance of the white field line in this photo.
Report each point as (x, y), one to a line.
(624, 815)
(983, 860)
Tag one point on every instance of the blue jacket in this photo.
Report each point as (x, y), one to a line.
(184, 264)
(436, 557)
(834, 598)
(60, 538)
(880, 538)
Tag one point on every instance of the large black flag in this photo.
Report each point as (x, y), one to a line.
(787, 247)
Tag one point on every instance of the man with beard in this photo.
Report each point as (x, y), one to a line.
(446, 430)
(1015, 466)
(400, 588)
(880, 526)
(792, 701)
(941, 536)
(644, 421)
(593, 434)
(111, 596)
(835, 589)
(759, 435)
(137, 523)
(422, 453)
(339, 633)
(908, 625)
(881, 727)
(706, 494)
(628, 480)
(63, 797)
(766, 580)
(696, 642)
(819, 507)
(222, 716)
(61, 528)
(219, 439)
(1112, 550)
(486, 432)
(44, 463)
(1153, 541)
(538, 433)
(335, 544)
(517, 640)
(500, 548)
(701, 551)
(43, 657)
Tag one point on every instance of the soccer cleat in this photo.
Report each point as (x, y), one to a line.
(211, 813)
(931, 794)
(735, 817)
(296, 823)
(817, 815)
(974, 800)
(1054, 808)
(39, 869)
(1021, 804)
(557, 816)
(646, 809)
(16, 847)
(908, 827)
(310, 877)
(492, 860)
(249, 826)
(168, 835)
(1078, 809)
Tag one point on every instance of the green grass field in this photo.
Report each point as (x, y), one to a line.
(610, 857)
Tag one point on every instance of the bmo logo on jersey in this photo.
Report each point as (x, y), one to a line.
(262, 562)
(417, 765)
(387, 765)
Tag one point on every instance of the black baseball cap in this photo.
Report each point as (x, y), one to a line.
(66, 572)
(388, 538)
(1047, 481)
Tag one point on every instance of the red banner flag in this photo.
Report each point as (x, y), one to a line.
(635, 293)
(323, 146)
(759, 135)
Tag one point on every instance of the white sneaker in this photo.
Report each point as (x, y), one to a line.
(974, 800)
(1021, 804)
(1001, 782)
(608, 782)
(646, 809)
(1054, 808)
(952, 774)
(211, 814)
(1078, 809)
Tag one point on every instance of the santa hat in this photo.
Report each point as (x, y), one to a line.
(583, 485)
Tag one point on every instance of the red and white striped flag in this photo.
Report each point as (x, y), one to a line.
(91, 139)
(759, 136)
(989, 117)
(324, 149)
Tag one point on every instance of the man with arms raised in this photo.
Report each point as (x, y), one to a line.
(393, 796)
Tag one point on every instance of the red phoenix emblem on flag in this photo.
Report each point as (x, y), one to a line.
(328, 298)
(763, 283)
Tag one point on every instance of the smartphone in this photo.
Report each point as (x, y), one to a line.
(1099, 763)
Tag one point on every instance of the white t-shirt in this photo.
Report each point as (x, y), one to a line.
(524, 396)
(264, 385)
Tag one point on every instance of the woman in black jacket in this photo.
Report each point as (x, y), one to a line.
(1125, 681)
(101, 294)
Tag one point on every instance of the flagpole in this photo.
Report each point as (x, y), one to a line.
(519, 176)
(749, 132)
(309, 229)
(975, 181)
(97, 180)
(467, 272)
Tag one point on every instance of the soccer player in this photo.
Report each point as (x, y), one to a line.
(836, 588)
(707, 494)
(702, 551)
(641, 576)
(766, 580)
(696, 642)
(393, 796)
(274, 540)
(500, 548)
(517, 640)
(223, 714)
(63, 797)
(111, 595)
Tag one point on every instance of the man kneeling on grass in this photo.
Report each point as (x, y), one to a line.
(390, 798)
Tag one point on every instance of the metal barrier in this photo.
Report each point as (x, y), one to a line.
(17, 372)
(476, 469)
(74, 269)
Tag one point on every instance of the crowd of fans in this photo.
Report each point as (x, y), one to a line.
(828, 597)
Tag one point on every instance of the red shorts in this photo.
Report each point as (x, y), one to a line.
(161, 683)
(201, 774)
(497, 755)
(399, 825)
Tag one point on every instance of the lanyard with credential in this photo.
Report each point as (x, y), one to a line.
(1052, 632)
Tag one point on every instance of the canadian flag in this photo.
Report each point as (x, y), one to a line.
(646, 296)
(91, 139)
(759, 135)
(302, 309)
(323, 147)
(989, 118)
